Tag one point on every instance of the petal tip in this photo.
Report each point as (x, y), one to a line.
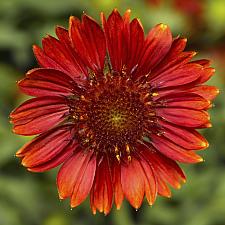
(163, 26)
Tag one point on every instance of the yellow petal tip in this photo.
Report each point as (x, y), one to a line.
(163, 26)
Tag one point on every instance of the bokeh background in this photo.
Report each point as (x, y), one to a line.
(31, 199)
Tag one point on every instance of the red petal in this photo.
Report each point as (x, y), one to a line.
(183, 75)
(185, 137)
(113, 28)
(83, 183)
(89, 42)
(63, 36)
(174, 58)
(204, 62)
(75, 177)
(174, 151)
(118, 192)
(136, 45)
(157, 45)
(165, 168)
(48, 82)
(184, 100)
(206, 75)
(133, 182)
(64, 57)
(46, 146)
(178, 61)
(65, 154)
(163, 189)
(207, 92)
(44, 60)
(150, 180)
(38, 115)
(102, 190)
(124, 41)
(184, 117)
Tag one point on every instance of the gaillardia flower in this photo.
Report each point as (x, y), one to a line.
(117, 108)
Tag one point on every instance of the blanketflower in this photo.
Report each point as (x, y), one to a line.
(117, 108)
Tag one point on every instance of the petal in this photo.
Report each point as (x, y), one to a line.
(89, 41)
(150, 180)
(174, 151)
(184, 117)
(125, 41)
(83, 183)
(207, 92)
(46, 146)
(38, 115)
(63, 36)
(116, 177)
(65, 57)
(185, 137)
(205, 75)
(184, 100)
(204, 62)
(174, 58)
(65, 154)
(44, 60)
(183, 75)
(75, 177)
(167, 169)
(113, 28)
(102, 190)
(133, 182)
(135, 47)
(163, 188)
(157, 44)
(48, 82)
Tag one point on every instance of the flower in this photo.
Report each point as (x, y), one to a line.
(116, 108)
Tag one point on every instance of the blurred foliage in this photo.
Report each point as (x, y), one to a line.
(31, 199)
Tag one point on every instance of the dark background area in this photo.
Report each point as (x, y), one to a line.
(31, 199)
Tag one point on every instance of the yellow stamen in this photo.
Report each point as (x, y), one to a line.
(154, 94)
(118, 158)
(127, 149)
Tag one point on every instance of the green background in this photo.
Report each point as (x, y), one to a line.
(30, 198)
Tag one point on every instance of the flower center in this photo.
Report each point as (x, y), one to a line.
(116, 118)
(112, 116)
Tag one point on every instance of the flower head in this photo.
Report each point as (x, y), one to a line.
(117, 108)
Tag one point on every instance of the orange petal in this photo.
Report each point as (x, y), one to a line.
(174, 151)
(102, 190)
(133, 183)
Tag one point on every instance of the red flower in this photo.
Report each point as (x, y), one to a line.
(118, 109)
